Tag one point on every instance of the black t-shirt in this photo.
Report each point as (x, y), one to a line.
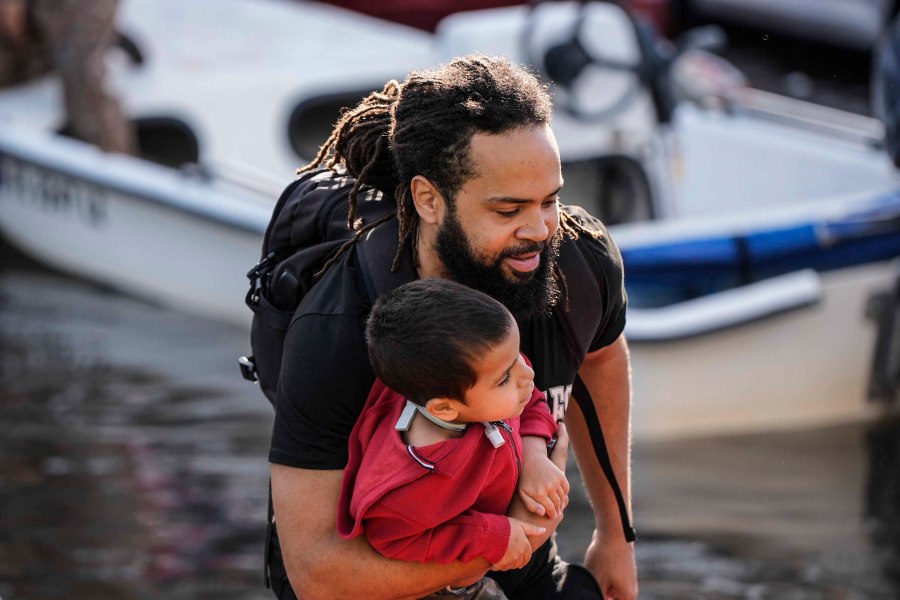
(326, 375)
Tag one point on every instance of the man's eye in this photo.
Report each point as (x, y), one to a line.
(508, 213)
(550, 203)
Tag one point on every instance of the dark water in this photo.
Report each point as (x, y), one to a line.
(133, 465)
(132, 460)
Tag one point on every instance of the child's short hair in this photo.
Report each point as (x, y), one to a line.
(425, 336)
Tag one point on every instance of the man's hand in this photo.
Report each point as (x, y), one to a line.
(518, 551)
(613, 559)
(543, 486)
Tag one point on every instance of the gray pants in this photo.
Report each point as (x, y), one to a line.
(484, 589)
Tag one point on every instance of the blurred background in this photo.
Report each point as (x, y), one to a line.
(742, 151)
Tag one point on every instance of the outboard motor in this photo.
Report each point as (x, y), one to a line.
(886, 88)
(566, 61)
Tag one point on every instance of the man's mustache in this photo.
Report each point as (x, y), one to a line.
(524, 248)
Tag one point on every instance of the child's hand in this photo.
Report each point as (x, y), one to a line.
(543, 486)
(518, 552)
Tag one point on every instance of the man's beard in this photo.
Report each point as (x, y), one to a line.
(533, 294)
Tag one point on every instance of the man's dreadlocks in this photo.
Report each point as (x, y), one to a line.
(423, 127)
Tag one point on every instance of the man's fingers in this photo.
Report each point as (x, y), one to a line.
(530, 529)
(560, 453)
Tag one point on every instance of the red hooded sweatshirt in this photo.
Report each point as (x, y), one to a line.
(438, 503)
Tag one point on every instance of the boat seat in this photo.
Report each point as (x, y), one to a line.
(312, 119)
(164, 140)
(167, 141)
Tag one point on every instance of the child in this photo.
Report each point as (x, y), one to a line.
(435, 456)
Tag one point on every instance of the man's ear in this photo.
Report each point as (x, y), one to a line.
(427, 199)
(445, 409)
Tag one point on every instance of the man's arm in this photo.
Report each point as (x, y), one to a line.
(306, 504)
(606, 374)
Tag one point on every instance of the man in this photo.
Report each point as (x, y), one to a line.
(467, 151)
(72, 38)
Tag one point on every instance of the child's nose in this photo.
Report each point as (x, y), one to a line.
(527, 375)
(530, 372)
(529, 385)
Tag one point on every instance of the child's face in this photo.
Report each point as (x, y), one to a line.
(504, 385)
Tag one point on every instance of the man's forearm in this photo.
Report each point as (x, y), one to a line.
(610, 557)
(606, 375)
(314, 553)
(372, 576)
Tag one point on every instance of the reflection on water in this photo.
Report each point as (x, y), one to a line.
(772, 516)
(133, 465)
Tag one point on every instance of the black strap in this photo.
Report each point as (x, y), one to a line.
(378, 248)
(282, 199)
(582, 396)
(586, 404)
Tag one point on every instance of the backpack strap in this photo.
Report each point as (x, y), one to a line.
(586, 404)
(375, 253)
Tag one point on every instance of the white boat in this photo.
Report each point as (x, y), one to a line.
(782, 341)
(790, 348)
(225, 103)
(168, 236)
(756, 323)
(795, 341)
(243, 79)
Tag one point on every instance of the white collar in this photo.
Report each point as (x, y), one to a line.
(411, 408)
(409, 412)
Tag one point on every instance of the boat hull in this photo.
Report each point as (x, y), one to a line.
(167, 237)
(804, 368)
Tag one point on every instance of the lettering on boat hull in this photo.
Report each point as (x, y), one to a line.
(52, 192)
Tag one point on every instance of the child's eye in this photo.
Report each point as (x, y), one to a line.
(505, 380)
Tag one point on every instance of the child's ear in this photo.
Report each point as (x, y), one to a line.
(445, 409)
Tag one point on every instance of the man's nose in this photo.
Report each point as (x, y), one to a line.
(534, 229)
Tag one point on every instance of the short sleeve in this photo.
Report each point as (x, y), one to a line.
(536, 419)
(606, 263)
(325, 376)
